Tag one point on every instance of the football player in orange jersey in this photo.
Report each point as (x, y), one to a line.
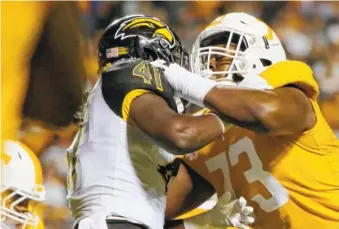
(42, 70)
(279, 152)
(21, 187)
(42, 79)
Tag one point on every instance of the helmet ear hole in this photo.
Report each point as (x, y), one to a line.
(149, 54)
(237, 77)
(265, 62)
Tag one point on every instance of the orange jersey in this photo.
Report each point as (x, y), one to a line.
(21, 25)
(291, 181)
(330, 109)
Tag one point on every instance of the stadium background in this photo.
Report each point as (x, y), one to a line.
(308, 30)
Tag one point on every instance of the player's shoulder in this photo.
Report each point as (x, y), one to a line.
(130, 72)
(292, 72)
(131, 66)
(119, 67)
(128, 79)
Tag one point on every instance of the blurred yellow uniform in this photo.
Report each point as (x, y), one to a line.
(21, 25)
(42, 70)
(330, 109)
(291, 181)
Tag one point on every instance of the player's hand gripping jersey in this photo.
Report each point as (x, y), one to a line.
(291, 181)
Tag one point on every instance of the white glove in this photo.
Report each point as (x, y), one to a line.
(185, 83)
(225, 213)
(254, 81)
(235, 213)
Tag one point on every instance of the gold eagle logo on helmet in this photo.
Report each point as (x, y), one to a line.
(130, 28)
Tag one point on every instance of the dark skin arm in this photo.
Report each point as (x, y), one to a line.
(187, 191)
(57, 76)
(178, 134)
(280, 111)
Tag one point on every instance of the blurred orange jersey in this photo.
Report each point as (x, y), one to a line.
(21, 25)
(291, 181)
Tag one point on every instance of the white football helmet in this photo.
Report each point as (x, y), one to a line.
(21, 184)
(248, 42)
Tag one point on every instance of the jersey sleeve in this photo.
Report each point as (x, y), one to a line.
(292, 72)
(122, 84)
(320, 138)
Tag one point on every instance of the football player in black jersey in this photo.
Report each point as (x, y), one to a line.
(137, 92)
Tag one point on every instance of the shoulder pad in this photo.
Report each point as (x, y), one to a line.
(126, 80)
(292, 72)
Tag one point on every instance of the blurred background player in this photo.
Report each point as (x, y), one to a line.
(42, 81)
(282, 125)
(22, 188)
(42, 71)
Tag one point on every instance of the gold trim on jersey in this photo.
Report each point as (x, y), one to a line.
(105, 67)
(128, 100)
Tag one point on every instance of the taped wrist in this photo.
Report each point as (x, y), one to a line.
(192, 87)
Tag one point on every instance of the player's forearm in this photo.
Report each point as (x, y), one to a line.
(189, 133)
(280, 111)
(178, 134)
(57, 70)
(240, 107)
(228, 102)
(186, 191)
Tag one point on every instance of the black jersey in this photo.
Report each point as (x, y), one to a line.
(128, 79)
